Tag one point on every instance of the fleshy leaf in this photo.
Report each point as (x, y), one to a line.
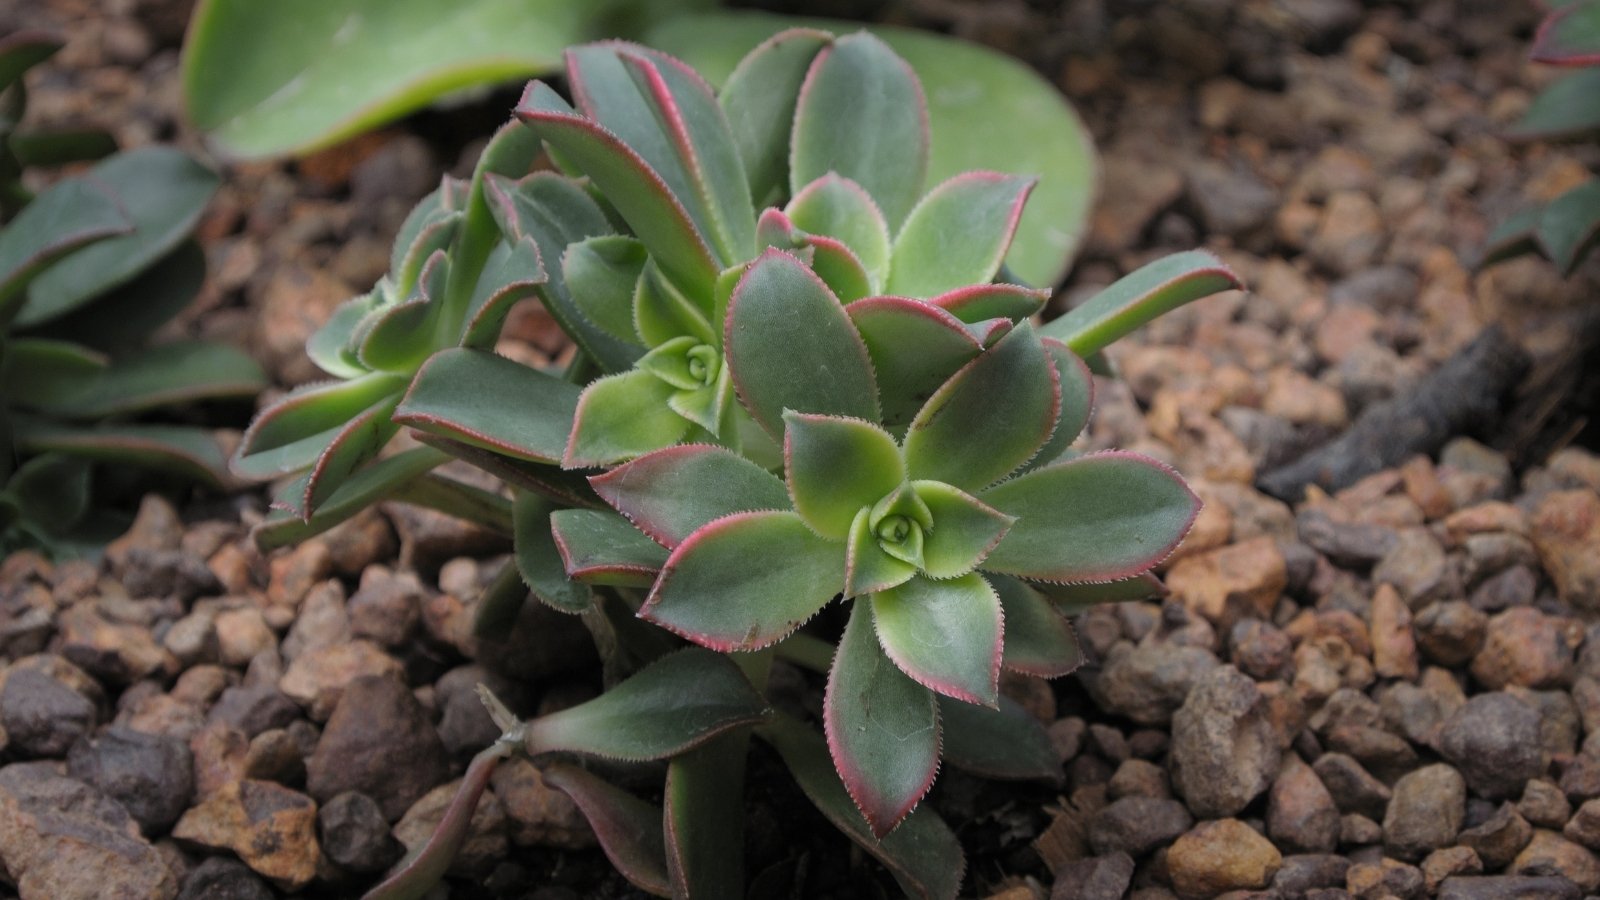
(51, 491)
(975, 303)
(512, 273)
(539, 558)
(922, 854)
(704, 818)
(1039, 640)
(672, 493)
(163, 192)
(1010, 395)
(423, 871)
(600, 547)
(292, 432)
(1136, 298)
(1570, 106)
(914, 348)
(840, 127)
(837, 207)
(790, 345)
(489, 401)
(1569, 36)
(1071, 599)
(124, 319)
(868, 567)
(662, 313)
(745, 581)
(629, 829)
(190, 452)
(1570, 224)
(362, 489)
(836, 264)
(602, 273)
(882, 727)
(64, 218)
(676, 703)
(637, 191)
(997, 743)
(23, 49)
(958, 234)
(354, 445)
(620, 417)
(1077, 402)
(49, 376)
(759, 100)
(1512, 237)
(332, 346)
(835, 467)
(945, 634)
(1095, 518)
(964, 529)
(168, 375)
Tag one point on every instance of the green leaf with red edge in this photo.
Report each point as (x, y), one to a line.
(976, 303)
(1011, 395)
(556, 212)
(964, 529)
(291, 433)
(745, 581)
(837, 207)
(1071, 599)
(914, 348)
(538, 556)
(1570, 224)
(356, 444)
(1101, 517)
(1039, 639)
(622, 416)
(598, 546)
(629, 829)
(397, 337)
(1006, 742)
(835, 467)
(957, 234)
(947, 635)
(882, 727)
(70, 215)
(419, 233)
(676, 703)
(1569, 107)
(1570, 36)
(602, 273)
(435, 236)
(163, 191)
(839, 127)
(365, 487)
(672, 493)
(22, 50)
(425, 869)
(190, 452)
(839, 268)
(868, 567)
(169, 375)
(512, 273)
(1140, 296)
(662, 313)
(790, 345)
(332, 347)
(637, 191)
(704, 818)
(759, 100)
(1077, 402)
(922, 854)
(488, 401)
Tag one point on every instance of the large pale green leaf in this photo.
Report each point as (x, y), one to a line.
(882, 727)
(922, 854)
(1567, 108)
(837, 466)
(1007, 742)
(163, 191)
(623, 416)
(671, 493)
(489, 401)
(790, 345)
(674, 704)
(944, 634)
(302, 74)
(985, 111)
(1140, 296)
(1010, 395)
(745, 581)
(62, 219)
(1095, 518)
(598, 546)
(958, 234)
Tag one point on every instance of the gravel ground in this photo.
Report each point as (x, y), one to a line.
(1388, 690)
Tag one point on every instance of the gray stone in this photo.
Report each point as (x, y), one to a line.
(1224, 746)
(1494, 740)
(1137, 825)
(151, 775)
(355, 835)
(379, 741)
(41, 716)
(1426, 812)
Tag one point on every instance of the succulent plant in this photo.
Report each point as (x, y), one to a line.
(88, 270)
(797, 384)
(1565, 229)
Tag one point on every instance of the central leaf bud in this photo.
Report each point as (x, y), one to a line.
(899, 522)
(894, 529)
(704, 363)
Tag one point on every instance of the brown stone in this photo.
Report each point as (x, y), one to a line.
(1224, 585)
(1219, 856)
(1394, 648)
(540, 816)
(485, 841)
(273, 830)
(1550, 851)
(1525, 647)
(317, 678)
(1566, 532)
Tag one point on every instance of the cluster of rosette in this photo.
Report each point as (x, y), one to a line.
(801, 379)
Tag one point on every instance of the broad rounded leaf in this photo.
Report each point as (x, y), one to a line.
(620, 417)
(997, 743)
(745, 581)
(598, 546)
(163, 191)
(964, 529)
(914, 348)
(1010, 396)
(1095, 518)
(790, 345)
(945, 634)
(676, 703)
(1140, 296)
(837, 466)
(488, 401)
(1039, 639)
(882, 727)
(958, 234)
(837, 207)
(672, 493)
